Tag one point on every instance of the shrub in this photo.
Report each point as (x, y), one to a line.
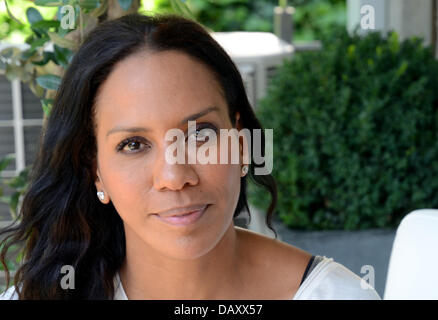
(311, 16)
(355, 133)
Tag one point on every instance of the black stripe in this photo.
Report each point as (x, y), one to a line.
(307, 269)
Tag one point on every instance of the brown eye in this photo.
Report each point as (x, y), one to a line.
(133, 145)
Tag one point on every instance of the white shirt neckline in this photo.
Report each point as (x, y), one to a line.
(120, 293)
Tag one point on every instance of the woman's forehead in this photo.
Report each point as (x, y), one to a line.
(162, 86)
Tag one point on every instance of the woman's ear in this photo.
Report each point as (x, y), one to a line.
(99, 185)
(95, 175)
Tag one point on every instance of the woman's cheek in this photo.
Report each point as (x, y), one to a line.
(125, 187)
(225, 178)
(228, 175)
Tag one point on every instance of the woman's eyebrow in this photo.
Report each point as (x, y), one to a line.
(143, 129)
(121, 129)
(200, 114)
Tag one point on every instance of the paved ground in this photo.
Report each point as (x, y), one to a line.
(353, 249)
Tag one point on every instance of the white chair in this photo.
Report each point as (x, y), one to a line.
(413, 265)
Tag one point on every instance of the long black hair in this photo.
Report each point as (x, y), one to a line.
(61, 221)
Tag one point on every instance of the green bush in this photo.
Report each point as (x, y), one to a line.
(355, 133)
(311, 16)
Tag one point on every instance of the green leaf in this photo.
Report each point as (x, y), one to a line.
(14, 203)
(89, 4)
(5, 199)
(47, 106)
(185, 9)
(402, 69)
(48, 3)
(49, 81)
(62, 42)
(46, 24)
(38, 32)
(37, 90)
(10, 13)
(38, 43)
(6, 160)
(47, 56)
(61, 55)
(33, 15)
(15, 183)
(180, 7)
(125, 4)
(29, 39)
(174, 5)
(394, 44)
(19, 257)
(351, 51)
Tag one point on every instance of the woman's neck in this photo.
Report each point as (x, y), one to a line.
(150, 275)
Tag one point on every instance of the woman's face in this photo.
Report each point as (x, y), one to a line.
(156, 92)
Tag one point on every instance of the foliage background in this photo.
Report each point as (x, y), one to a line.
(355, 133)
(311, 16)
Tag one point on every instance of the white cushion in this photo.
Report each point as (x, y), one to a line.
(412, 271)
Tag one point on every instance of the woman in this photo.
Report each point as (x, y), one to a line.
(155, 230)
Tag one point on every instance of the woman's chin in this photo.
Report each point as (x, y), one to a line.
(191, 247)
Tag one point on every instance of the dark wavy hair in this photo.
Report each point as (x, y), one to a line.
(61, 221)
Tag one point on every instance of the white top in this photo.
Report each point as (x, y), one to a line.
(329, 280)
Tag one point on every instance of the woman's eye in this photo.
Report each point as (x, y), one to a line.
(132, 145)
(203, 136)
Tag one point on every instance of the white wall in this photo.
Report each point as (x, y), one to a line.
(407, 17)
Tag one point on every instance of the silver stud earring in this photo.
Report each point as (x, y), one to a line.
(244, 169)
(101, 195)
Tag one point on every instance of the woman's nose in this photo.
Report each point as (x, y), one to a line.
(172, 176)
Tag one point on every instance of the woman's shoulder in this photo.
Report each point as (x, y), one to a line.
(9, 294)
(281, 266)
(331, 280)
(326, 279)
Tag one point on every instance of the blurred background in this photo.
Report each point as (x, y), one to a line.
(349, 88)
(219, 15)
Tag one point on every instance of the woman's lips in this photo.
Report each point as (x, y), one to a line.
(184, 219)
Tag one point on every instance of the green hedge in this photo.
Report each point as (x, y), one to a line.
(311, 16)
(355, 133)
